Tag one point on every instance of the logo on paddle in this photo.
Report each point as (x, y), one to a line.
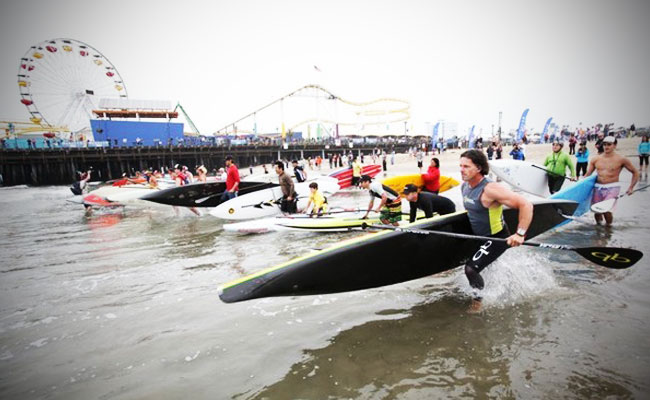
(611, 257)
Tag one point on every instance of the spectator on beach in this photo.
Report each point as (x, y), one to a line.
(644, 154)
(599, 143)
(582, 159)
(572, 144)
(516, 153)
(419, 156)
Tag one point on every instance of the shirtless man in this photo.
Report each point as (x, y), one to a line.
(608, 166)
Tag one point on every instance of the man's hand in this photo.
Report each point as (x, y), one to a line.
(515, 240)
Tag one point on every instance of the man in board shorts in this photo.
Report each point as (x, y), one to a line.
(390, 207)
(608, 166)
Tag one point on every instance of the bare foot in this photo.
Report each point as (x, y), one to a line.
(475, 307)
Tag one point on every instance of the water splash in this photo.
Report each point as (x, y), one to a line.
(517, 275)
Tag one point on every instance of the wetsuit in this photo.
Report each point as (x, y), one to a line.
(299, 172)
(430, 203)
(484, 222)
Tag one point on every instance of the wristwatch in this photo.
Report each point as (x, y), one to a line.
(521, 232)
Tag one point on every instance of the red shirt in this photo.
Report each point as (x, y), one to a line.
(232, 177)
(432, 179)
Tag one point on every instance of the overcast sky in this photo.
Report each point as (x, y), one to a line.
(462, 61)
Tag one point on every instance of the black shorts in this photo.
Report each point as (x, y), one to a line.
(419, 164)
(643, 159)
(289, 206)
(355, 180)
(489, 250)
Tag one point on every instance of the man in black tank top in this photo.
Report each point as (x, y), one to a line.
(484, 201)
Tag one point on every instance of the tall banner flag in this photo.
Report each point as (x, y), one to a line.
(548, 123)
(522, 125)
(284, 133)
(470, 138)
(434, 136)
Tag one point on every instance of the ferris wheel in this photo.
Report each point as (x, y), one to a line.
(62, 80)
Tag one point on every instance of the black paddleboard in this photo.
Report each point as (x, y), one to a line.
(383, 258)
(201, 194)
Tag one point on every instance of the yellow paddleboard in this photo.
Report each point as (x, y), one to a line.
(397, 183)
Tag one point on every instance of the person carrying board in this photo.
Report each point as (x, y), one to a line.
(608, 166)
(484, 200)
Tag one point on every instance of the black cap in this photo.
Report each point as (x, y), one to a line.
(410, 188)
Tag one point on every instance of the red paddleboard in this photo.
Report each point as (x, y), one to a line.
(344, 175)
(98, 201)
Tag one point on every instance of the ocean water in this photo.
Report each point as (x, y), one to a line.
(123, 304)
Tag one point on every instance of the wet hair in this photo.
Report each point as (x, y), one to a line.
(313, 185)
(228, 158)
(365, 178)
(294, 161)
(435, 160)
(280, 165)
(479, 159)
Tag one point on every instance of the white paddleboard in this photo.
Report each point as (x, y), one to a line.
(266, 203)
(129, 193)
(525, 176)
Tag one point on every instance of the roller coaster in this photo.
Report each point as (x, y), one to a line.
(314, 108)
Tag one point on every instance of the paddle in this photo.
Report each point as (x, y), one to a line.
(610, 257)
(551, 172)
(607, 205)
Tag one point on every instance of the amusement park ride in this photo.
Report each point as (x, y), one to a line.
(60, 82)
(63, 81)
(316, 112)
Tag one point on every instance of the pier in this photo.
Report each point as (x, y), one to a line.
(60, 166)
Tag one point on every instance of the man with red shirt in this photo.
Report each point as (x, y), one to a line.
(232, 180)
(432, 177)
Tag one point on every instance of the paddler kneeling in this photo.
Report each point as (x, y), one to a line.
(317, 199)
(428, 202)
(390, 207)
(484, 200)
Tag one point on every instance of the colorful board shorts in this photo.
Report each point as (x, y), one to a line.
(391, 212)
(606, 191)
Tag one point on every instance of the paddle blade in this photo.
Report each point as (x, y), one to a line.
(611, 257)
(603, 206)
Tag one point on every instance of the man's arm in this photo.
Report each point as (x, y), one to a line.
(569, 163)
(413, 210)
(384, 199)
(372, 201)
(592, 166)
(635, 174)
(495, 193)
